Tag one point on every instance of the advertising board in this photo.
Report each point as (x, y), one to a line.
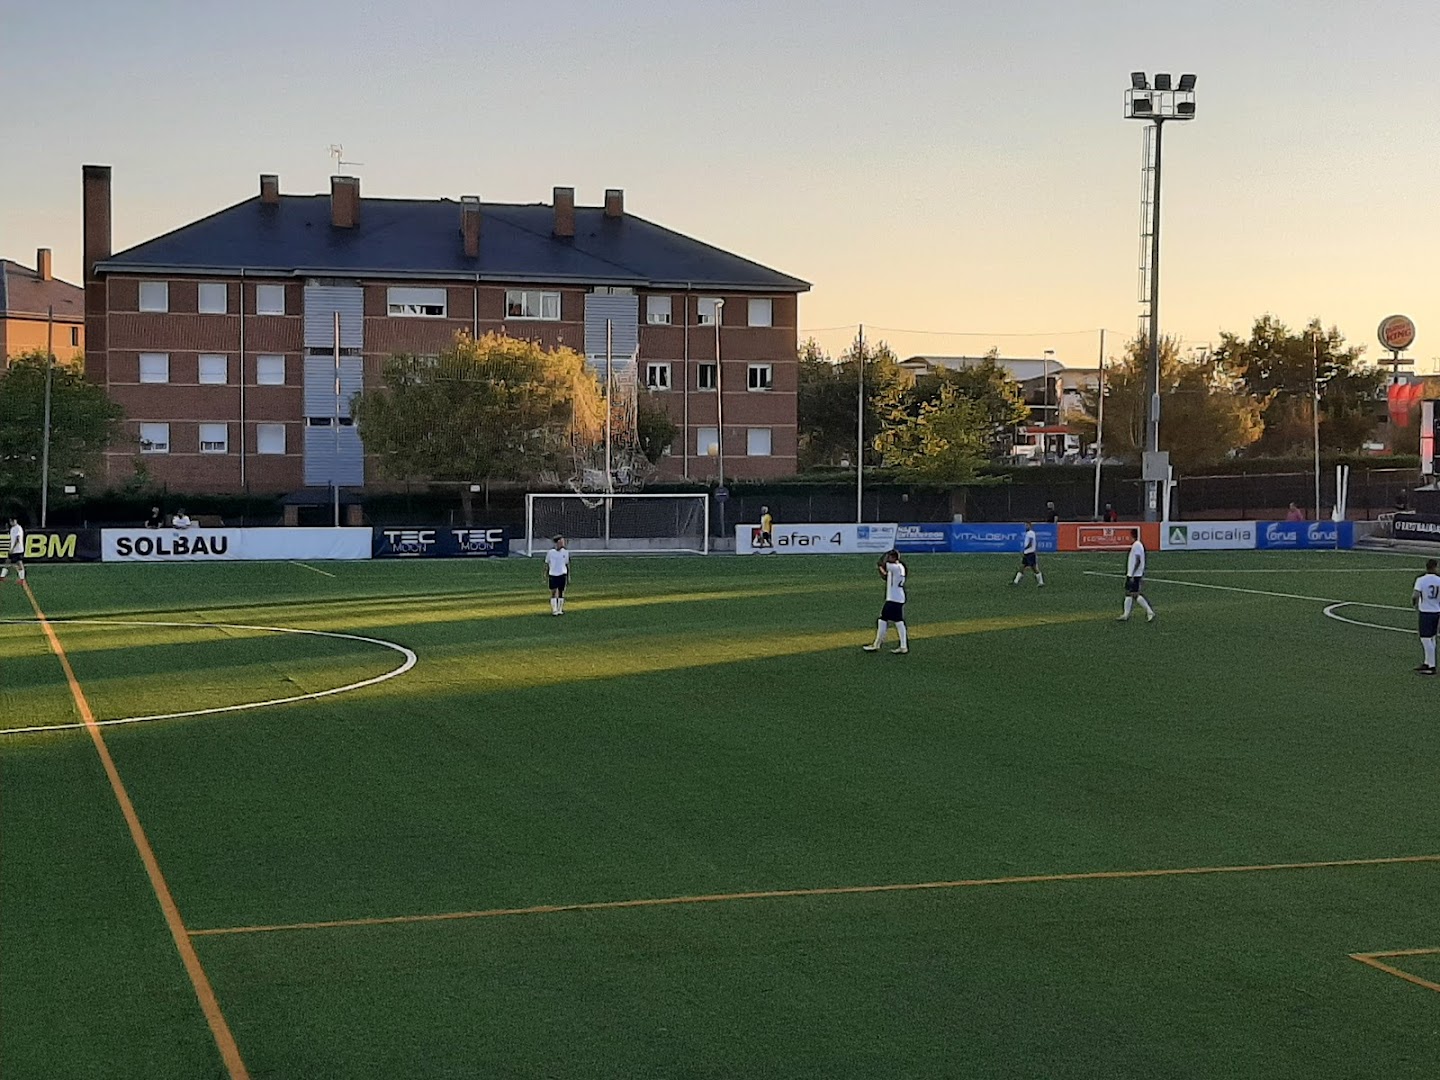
(57, 545)
(851, 539)
(1116, 537)
(440, 542)
(1208, 536)
(1302, 535)
(1416, 527)
(233, 545)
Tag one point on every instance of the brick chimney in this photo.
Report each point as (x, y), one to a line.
(96, 216)
(269, 189)
(614, 203)
(470, 224)
(565, 213)
(344, 201)
(43, 271)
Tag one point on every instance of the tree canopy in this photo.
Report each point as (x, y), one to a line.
(83, 422)
(827, 398)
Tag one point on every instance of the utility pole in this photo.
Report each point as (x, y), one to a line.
(45, 447)
(1099, 425)
(860, 426)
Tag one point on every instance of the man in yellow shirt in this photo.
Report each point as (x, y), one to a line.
(767, 524)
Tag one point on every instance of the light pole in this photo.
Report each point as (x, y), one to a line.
(719, 394)
(1154, 105)
(1044, 435)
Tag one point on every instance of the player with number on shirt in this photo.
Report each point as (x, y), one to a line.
(893, 613)
(1426, 599)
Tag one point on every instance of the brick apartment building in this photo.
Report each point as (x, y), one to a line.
(27, 298)
(218, 339)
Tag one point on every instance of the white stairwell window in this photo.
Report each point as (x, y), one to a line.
(707, 441)
(657, 310)
(270, 438)
(757, 442)
(657, 376)
(270, 371)
(705, 377)
(214, 438)
(761, 377)
(762, 311)
(213, 298)
(708, 308)
(270, 300)
(154, 438)
(214, 369)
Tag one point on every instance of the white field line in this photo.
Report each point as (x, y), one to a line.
(408, 663)
(1333, 608)
(1309, 570)
(1257, 592)
(313, 569)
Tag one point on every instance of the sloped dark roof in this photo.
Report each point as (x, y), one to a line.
(23, 293)
(421, 238)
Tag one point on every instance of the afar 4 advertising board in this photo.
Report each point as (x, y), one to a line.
(849, 539)
(440, 542)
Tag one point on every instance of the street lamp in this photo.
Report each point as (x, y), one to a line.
(719, 394)
(1045, 422)
(1155, 105)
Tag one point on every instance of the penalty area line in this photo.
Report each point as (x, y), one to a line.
(1376, 961)
(312, 569)
(1254, 592)
(787, 894)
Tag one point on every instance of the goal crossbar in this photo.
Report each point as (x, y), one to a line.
(629, 522)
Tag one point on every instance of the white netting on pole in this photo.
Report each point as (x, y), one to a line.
(619, 522)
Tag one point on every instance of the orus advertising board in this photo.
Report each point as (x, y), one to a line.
(56, 545)
(1208, 536)
(1292, 535)
(848, 539)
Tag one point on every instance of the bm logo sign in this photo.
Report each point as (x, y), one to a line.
(54, 546)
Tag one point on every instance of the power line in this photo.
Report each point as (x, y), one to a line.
(958, 333)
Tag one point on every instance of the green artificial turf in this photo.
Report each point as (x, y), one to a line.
(704, 726)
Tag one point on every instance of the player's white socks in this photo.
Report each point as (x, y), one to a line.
(554, 606)
(1129, 605)
(905, 638)
(1039, 578)
(879, 633)
(1429, 646)
(1145, 604)
(561, 605)
(1018, 577)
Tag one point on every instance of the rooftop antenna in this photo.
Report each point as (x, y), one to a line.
(338, 153)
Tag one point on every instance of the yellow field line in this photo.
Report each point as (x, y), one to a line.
(224, 1040)
(838, 890)
(1374, 960)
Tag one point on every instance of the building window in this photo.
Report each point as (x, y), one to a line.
(612, 290)
(214, 370)
(707, 442)
(657, 310)
(757, 442)
(416, 303)
(529, 304)
(213, 298)
(705, 377)
(214, 438)
(270, 371)
(75, 337)
(269, 299)
(657, 376)
(270, 438)
(761, 377)
(154, 438)
(709, 310)
(762, 312)
(154, 367)
(154, 296)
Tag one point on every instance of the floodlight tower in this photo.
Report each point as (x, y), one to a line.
(1155, 105)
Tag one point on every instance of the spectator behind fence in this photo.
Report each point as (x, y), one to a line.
(1294, 513)
(156, 520)
(181, 520)
(1109, 515)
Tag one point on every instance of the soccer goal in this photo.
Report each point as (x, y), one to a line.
(628, 522)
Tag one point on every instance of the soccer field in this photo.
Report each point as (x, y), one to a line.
(691, 830)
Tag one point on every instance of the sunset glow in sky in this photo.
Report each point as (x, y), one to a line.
(941, 167)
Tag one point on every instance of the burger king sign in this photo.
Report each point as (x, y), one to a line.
(1397, 333)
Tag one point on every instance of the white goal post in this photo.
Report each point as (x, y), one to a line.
(618, 522)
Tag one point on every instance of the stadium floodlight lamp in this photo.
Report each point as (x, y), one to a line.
(1162, 81)
(1187, 84)
(1137, 81)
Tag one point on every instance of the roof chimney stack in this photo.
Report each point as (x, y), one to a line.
(614, 203)
(269, 189)
(344, 201)
(43, 271)
(96, 216)
(470, 224)
(565, 213)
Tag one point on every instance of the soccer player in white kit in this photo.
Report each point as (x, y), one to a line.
(1426, 599)
(1135, 581)
(557, 570)
(893, 613)
(1029, 557)
(16, 554)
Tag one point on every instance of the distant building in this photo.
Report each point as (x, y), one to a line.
(26, 297)
(1051, 390)
(218, 338)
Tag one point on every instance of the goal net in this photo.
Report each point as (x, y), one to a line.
(618, 522)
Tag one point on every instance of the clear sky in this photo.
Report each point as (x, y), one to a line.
(939, 166)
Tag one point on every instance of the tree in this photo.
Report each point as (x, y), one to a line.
(1205, 416)
(991, 387)
(944, 439)
(827, 398)
(1279, 368)
(83, 422)
(654, 428)
(494, 409)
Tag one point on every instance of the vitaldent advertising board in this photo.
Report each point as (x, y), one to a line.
(848, 539)
(1208, 536)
